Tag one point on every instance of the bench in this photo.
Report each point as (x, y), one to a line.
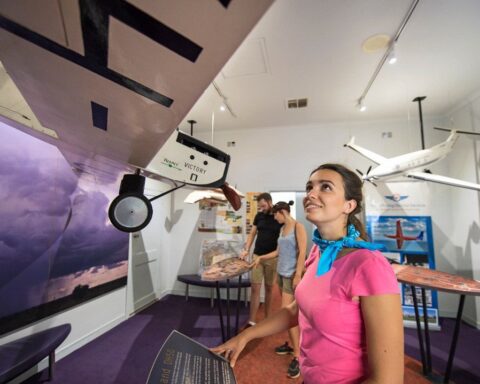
(20, 355)
(197, 281)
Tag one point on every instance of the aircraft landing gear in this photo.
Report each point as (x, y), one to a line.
(131, 211)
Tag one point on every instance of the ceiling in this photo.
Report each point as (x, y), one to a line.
(313, 49)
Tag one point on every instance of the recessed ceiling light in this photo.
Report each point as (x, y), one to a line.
(375, 43)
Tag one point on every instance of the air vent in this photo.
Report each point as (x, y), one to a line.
(297, 103)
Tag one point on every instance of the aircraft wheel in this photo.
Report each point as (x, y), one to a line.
(130, 212)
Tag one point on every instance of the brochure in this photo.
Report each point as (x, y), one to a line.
(182, 360)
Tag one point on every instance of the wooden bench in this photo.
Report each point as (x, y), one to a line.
(197, 281)
(20, 355)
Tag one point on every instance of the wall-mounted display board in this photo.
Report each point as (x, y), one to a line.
(219, 218)
(398, 216)
(57, 246)
(409, 237)
(251, 210)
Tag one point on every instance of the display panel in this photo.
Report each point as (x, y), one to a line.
(57, 246)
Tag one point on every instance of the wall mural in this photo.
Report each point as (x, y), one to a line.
(57, 246)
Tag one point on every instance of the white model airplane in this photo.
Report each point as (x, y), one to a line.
(413, 164)
(111, 81)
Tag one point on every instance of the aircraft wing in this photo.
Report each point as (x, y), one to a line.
(443, 180)
(372, 156)
(114, 78)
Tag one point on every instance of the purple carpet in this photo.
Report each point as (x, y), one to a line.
(126, 353)
(466, 365)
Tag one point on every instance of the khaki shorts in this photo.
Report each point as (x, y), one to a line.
(285, 284)
(266, 269)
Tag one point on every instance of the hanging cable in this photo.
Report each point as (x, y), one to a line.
(213, 124)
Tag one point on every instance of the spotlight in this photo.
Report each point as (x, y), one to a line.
(392, 57)
(223, 108)
(361, 106)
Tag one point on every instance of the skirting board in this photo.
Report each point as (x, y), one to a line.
(466, 318)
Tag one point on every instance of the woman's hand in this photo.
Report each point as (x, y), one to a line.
(231, 349)
(296, 281)
(256, 261)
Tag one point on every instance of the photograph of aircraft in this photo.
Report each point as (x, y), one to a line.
(400, 237)
(413, 164)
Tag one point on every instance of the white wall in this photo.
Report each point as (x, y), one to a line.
(465, 205)
(281, 158)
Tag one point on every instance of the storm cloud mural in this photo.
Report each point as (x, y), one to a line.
(57, 246)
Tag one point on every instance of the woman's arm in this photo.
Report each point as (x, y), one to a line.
(302, 251)
(280, 321)
(384, 331)
(267, 256)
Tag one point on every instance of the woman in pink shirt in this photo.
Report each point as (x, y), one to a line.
(347, 305)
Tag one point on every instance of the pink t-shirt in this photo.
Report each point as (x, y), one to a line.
(332, 335)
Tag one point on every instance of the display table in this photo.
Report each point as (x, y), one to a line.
(440, 281)
(197, 281)
(234, 282)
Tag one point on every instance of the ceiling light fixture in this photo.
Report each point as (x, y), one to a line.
(392, 57)
(223, 108)
(361, 106)
(224, 99)
(388, 51)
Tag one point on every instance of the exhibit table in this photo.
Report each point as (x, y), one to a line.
(220, 314)
(194, 279)
(222, 272)
(440, 281)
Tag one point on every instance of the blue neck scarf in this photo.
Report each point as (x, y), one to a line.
(331, 248)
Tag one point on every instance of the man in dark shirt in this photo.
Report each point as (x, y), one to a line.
(266, 229)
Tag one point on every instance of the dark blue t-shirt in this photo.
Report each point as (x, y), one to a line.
(268, 230)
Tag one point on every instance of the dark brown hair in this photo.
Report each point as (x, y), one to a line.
(264, 196)
(282, 205)
(352, 184)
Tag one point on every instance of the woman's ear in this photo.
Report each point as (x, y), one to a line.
(350, 206)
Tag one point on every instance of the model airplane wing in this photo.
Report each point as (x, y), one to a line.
(111, 80)
(372, 156)
(443, 180)
(115, 78)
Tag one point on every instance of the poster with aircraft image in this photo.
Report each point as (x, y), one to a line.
(410, 237)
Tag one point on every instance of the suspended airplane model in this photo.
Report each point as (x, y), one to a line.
(401, 238)
(111, 81)
(413, 164)
(185, 160)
